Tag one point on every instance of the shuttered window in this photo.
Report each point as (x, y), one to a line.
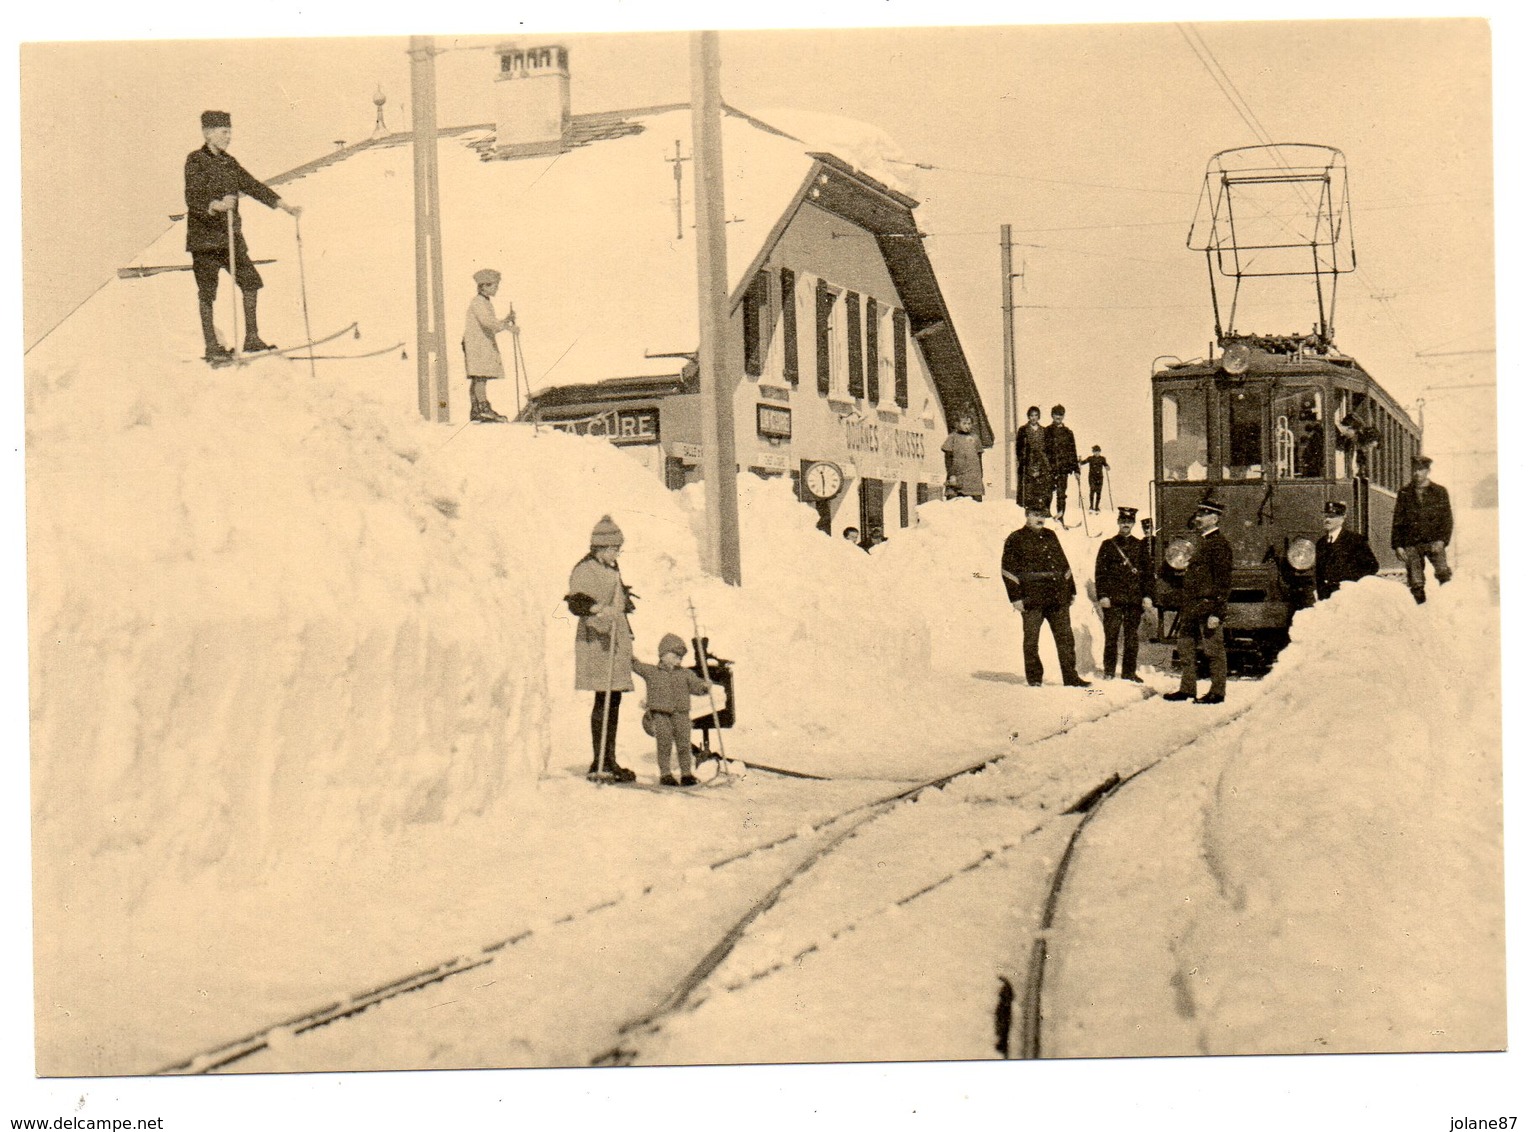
(825, 299)
(755, 310)
(899, 355)
(856, 345)
(791, 360)
(872, 351)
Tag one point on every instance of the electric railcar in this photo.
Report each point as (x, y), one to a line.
(1277, 426)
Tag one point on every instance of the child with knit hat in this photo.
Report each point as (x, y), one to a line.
(602, 644)
(669, 689)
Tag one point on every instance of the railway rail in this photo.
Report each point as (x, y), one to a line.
(800, 852)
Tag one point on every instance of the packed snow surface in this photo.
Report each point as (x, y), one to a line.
(302, 715)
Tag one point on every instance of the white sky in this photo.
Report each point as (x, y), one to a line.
(1102, 106)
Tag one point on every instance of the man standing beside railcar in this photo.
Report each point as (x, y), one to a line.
(1041, 589)
(1120, 575)
(1341, 555)
(1206, 591)
(1421, 528)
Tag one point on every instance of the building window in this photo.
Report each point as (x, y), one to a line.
(856, 345)
(872, 351)
(902, 503)
(899, 355)
(755, 321)
(791, 360)
(825, 304)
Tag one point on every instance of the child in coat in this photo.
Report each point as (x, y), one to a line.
(669, 689)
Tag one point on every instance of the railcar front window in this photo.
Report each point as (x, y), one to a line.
(1244, 434)
(1299, 434)
(1185, 436)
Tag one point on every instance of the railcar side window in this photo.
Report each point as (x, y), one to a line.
(1244, 434)
(1299, 434)
(1185, 436)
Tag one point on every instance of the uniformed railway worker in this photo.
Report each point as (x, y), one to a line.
(1041, 589)
(1120, 575)
(1206, 590)
(1341, 555)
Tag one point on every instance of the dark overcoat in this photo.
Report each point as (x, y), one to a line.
(1061, 449)
(1035, 569)
(1344, 559)
(1422, 515)
(1207, 578)
(209, 177)
(1121, 570)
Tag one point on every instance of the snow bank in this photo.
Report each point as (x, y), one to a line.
(1356, 837)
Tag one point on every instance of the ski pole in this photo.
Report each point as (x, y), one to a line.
(599, 763)
(1109, 483)
(1083, 508)
(705, 672)
(302, 285)
(233, 282)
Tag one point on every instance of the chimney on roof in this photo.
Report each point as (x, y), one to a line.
(532, 97)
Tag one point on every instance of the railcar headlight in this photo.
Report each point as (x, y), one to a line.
(1302, 554)
(1180, 551)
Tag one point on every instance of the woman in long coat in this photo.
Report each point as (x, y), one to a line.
(602, 645)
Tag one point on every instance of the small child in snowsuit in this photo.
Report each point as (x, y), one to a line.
(669, 689)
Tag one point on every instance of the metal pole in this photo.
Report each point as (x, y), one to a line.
(718, 439)
(1010, 372)
(429, 284)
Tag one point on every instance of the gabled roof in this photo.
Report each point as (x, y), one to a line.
(597, 262)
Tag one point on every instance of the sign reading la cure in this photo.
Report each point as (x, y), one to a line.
(619, 426)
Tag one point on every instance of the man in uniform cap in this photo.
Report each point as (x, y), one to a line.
(1421, 528)
(1341, 554)
(1206, 590)
(1120, 575)
(1041, 589)
(214, 181)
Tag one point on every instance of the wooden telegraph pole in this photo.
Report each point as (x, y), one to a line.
(429, 282)
(717, 437)
(1010, 371)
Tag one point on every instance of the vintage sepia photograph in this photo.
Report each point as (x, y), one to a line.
(857, 548)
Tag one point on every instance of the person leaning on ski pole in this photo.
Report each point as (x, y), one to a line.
(480, 345)
(602, 645)
(214, 181)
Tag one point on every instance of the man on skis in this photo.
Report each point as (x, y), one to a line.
(1061, 451)
(214, 182)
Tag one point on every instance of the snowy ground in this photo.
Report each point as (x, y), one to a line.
(302, 724)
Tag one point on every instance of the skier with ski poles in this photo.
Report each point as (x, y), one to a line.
(215, 234)
(1061, 451)
(602, 644)
(480, 346)
(1097, 467)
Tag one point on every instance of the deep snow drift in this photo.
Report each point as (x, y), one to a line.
(302, 716)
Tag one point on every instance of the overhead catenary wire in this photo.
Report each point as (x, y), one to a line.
(1244, 110)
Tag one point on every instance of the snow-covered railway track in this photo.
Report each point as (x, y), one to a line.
(756, 879)
(1030, 1015)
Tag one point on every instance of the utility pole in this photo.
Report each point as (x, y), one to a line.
(429, 281)
(678, 190)
(1010, 373)
(718, 439)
